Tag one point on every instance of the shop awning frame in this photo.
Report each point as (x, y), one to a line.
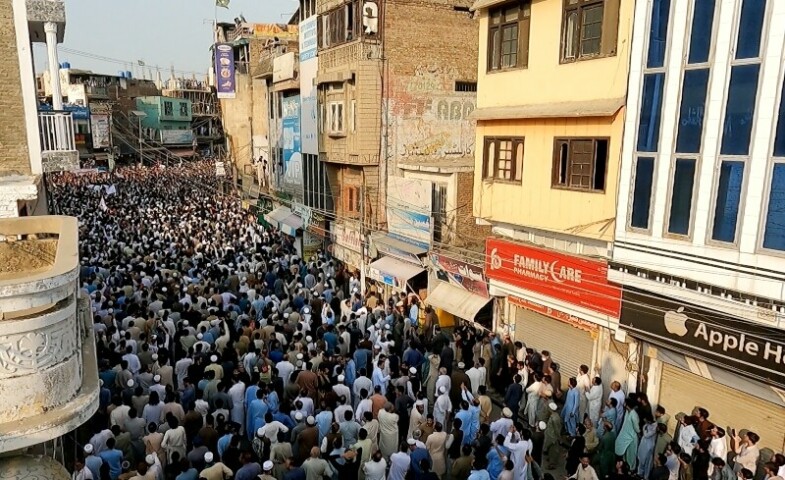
(291, 224)
(277, 215)
(457, 301)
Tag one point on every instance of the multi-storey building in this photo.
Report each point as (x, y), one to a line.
(700, 233)
(550, 116)
(205, 110)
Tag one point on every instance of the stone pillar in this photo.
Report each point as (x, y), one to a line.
(54, 64)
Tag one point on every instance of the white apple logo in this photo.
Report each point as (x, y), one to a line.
(676, 322)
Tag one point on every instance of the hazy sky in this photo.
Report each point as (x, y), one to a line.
(159, 32)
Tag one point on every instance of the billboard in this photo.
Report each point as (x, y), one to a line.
(177, 137)
(292, 158)
(224, 70)
(575, 280)
(272, 30)
(99, 125)
(409, 210)
(461, 274)
(309, 64)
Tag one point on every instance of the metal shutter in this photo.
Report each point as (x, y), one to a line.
(569, 347)
(681, 391)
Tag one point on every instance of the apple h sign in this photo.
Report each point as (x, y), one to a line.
(710, 335)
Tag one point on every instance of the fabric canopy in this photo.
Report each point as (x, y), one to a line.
(396, 268)
(455, 300)
(276, 216)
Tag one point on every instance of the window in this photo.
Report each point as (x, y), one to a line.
(774, 229)
(354, 116)
(439, 213)
(589, 29)
(336, 118)
(641, 196)
(682, 187)
(651, 112)
(183, 109)
(508, 36)
(726, 207)
(351, 200)
(503, 159)
(341, 25)
(465, 86)
(740, 110)
(168, 109)
(693, 106)
(701, 32)
(580, 163)
(658, 33)
(750, 29)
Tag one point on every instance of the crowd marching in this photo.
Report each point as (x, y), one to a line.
(223, 354)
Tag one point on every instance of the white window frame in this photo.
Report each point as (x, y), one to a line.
(713, 205)
(353, 118)
(693, 200)
(772, 161)
(337, 117)
(652, 194)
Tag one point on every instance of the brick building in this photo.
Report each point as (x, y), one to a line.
(395, 96)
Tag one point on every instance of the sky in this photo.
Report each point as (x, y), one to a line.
(158, 32)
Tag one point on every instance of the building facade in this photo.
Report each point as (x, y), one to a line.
(166, 120)
(550, 112)
(699, 232)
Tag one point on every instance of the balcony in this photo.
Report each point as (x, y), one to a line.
(48, 371)
(41, 12)
(58, 142)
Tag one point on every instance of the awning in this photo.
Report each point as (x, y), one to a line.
(291, 224)
(389, 245)
(276, 216)
(587, 108)
(455, 300)
(183, 152)
(394, 272)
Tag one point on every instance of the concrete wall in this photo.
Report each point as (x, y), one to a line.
(14, 153)
(237, 114)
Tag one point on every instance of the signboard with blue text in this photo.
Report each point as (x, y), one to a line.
(309, 64)
(292, 157)
(409, 210)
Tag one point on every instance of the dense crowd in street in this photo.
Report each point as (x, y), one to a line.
(224, 354)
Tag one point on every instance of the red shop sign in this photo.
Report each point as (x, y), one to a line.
(575, 280)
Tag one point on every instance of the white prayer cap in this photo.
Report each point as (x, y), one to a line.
(299, 356)
(88, 449)
(267, 466)
(199, 336)
(411, 441)
(259, 432)
(150, 459)
(309, 339)
(306, 310)
(215, 322)
(164, 289)
(310, 420)
(157, 379)
(412, 370)
(506, 412)
(552, 406)
(214, 358)
(461, 365)
(419, 403)
(442, 389)
(542, 425)
(286, 315)
(130, 383)
(387, 327)
(341, 378)
(155, 357)
(186, 323)
(298, 416)
(208, 457)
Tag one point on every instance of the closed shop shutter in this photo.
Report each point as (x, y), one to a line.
(681, 391)
(570, 347)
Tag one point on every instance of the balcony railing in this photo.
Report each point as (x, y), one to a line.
(57, 131)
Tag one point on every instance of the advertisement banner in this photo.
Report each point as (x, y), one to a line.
(348, 237)
(409, 210)
(281, 31)
(292, 158)
(177, 137)
(571, 279)
(710, 335)
(461, 274)
(99, 125)
(224, 71)
(309, 64)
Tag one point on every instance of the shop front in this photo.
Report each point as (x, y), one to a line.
(459, 292)
(348, 245)
(694, 356)
(399, 267)
(288, 223)
(555, 301)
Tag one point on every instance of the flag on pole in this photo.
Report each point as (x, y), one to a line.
(222, 3)
(102, 205)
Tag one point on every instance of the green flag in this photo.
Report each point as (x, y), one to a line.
(222, 3)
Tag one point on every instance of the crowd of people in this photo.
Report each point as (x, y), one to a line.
(223, 353)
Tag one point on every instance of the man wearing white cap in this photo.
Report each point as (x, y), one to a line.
(520, 445)
(268, 471)
(502, 425)
(158, 387)
(342, 390)
(214, 470)
(442, 406)
(417, 416)
(215, 367)
(553, 429)
(93, 462)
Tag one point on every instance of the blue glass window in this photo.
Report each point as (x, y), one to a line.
(658, 33)
(651, 112)
(774, 234)
(740, 110)
(726, 210)
(693, 106)
(681, 196)
(641, 196)
(779, 138)
(701, 34)
(750, 28)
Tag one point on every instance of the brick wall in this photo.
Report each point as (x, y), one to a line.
(469, 233)
(14, 155)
